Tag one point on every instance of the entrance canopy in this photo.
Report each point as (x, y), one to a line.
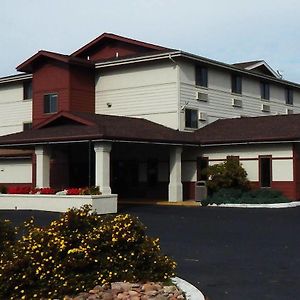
(72, 127)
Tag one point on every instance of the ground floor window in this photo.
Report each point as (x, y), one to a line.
(202, 165)
(265, 171)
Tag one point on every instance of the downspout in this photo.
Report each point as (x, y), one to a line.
(89, 162)
(178, 90)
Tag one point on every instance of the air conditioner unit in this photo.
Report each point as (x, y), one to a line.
(289, 111)
(201, 96)
(202, 116)
(237, 102)
(265, 108)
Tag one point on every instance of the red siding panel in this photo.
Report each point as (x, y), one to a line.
(188, 190)
(114, 49)
(296, 167)
(50, 78)
(75, 87)
(286, 187)
(82, 89)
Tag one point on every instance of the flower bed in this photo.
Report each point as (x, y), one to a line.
(44, 199)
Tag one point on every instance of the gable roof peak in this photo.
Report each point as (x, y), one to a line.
(106, 36)
(258, 66)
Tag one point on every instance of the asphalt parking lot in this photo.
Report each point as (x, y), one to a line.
(235, 254)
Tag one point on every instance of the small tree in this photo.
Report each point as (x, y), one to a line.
(229, 174)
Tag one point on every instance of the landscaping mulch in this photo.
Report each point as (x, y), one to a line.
(131, 291)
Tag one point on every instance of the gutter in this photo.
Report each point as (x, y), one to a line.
(15, 78)
(153, 57)
(248, 143)
(98, 140)
(178, 53)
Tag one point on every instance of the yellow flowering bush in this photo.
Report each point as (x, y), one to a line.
(77, 252)
(7, 234)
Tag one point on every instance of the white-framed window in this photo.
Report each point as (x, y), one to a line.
(265, 90)
(50, 103)
(201, 76)
(27, 90)
(191, 118)
(236, 84)
(289, 96)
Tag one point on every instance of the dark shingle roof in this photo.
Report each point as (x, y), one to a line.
(251, 129)
(89, 126)
(244, 65)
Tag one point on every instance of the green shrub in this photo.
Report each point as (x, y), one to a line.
(78, 252)
(263, 196)
(7, 234)
(222, 196)
(239, 196)
(229, 174)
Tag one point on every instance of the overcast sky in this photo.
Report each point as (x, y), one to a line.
(229, 31)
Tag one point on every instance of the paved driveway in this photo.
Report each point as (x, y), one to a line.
(233, 254)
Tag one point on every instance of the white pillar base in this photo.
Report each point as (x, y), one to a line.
(175, 193)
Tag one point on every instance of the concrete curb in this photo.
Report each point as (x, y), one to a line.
(244, 205)
(191, 292)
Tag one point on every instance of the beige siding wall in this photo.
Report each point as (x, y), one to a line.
(149, 92)
(14, 111)
(15, 171)
(282, 159)
(219, 104)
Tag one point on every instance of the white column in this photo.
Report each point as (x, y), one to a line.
(175, 184)
(102, 178)
(42, 167)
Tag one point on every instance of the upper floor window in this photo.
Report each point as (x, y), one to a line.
(50, 103)
(236, 84)
(289, 96)
(201, 78)
(265, 90)
(191, 118)
(27, 90)
(27, 126)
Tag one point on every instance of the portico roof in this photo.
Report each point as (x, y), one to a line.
(68, 127)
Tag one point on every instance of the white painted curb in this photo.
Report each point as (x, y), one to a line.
(245, 205)
(191, 292)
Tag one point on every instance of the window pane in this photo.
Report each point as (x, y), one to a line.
(201, 76)
(50, 103)
(191, 118)
(265, 172)
(236, 84)
(202, 165)
(27, 90)
(53, 103)
(27, 126)
(289, 96)
(265, 90)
